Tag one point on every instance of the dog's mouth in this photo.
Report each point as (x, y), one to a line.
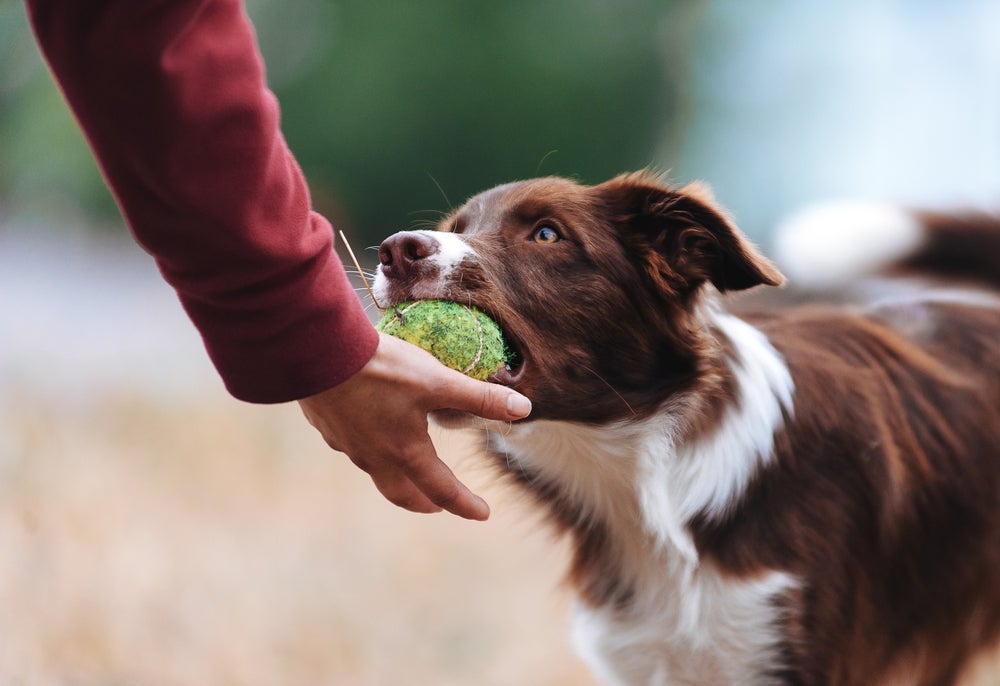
(512, 371)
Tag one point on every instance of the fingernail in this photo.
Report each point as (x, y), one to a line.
(518, 405)
(483, 510)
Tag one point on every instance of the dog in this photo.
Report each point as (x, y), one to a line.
(806, 494)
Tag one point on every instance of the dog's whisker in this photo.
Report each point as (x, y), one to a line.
(612, 388)
(351, 271)
(429, 224)
(441, 189)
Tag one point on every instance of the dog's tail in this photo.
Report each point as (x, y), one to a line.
(831, 245)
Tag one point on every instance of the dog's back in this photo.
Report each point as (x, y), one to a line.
(897, 422)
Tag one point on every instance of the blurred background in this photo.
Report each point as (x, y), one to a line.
(155, 531)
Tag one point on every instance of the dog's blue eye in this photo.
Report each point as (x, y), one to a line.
(546, 235)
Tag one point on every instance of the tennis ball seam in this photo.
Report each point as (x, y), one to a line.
(479, 331)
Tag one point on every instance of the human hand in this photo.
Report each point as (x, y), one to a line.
(378, 418)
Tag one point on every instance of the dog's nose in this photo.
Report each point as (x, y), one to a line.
(401, 251)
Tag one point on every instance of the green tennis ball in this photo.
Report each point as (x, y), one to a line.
(461, 337)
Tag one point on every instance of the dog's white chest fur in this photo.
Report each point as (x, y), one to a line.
(686, 622)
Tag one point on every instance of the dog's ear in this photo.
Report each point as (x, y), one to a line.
(688, 238)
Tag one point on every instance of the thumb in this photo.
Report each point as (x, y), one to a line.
(487, 400)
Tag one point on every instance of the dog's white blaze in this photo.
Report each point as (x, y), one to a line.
(689, 623)
(452, 251)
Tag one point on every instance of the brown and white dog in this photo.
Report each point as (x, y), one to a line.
(809, 495)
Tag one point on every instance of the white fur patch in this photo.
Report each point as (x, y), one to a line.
(707, 630)
(831, 244)
(453, 251)
(710, 475)
(687, 623)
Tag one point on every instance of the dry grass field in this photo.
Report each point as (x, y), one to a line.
(212, 542)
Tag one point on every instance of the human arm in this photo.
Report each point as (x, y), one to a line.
(172, 98)
(173, 101)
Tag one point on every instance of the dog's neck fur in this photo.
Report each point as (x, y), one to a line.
(643, 481)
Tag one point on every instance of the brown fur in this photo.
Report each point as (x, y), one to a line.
(885, 495)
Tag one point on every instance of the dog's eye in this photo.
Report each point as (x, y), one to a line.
(546, 235)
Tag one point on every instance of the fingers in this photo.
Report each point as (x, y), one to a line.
(391, 444)
(487, 400)
(421, 482)
(433, 477)
(444, 388)
(401, 492)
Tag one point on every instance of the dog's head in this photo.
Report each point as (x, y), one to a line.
(597, 288)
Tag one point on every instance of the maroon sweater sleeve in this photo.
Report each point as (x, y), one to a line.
(172, 98)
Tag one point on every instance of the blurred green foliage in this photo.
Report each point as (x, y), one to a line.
(45, 165)
(390, 106)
